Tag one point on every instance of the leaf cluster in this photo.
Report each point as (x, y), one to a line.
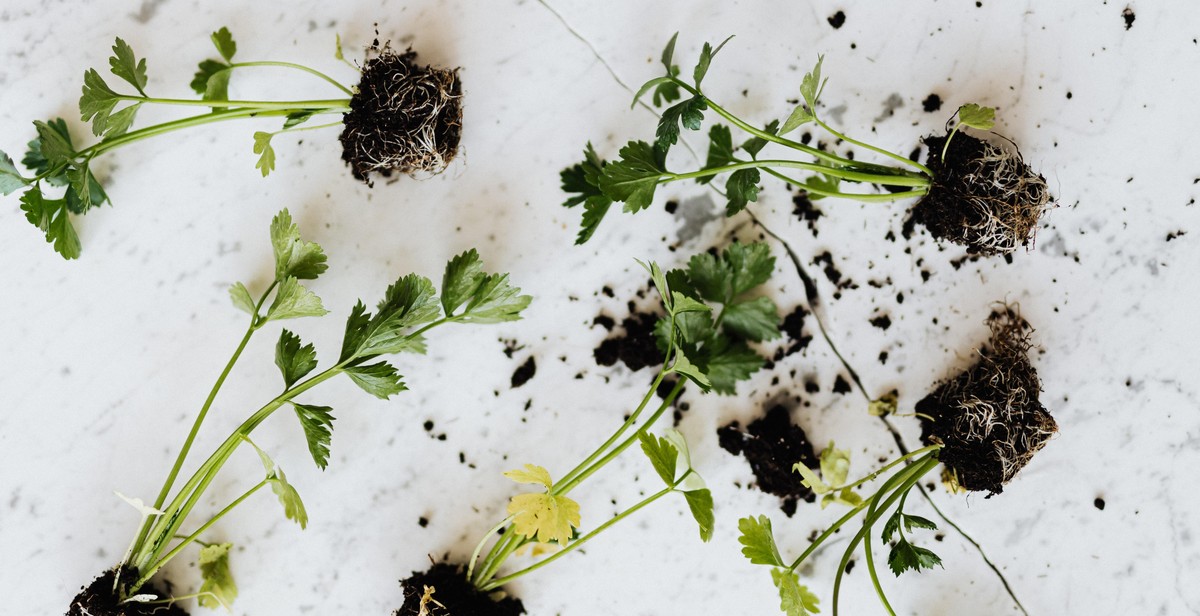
(758, 545)
(831, 483)
(712, 313)
(905, 556)
(544, 517)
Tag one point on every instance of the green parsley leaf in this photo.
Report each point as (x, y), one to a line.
(799, 117)
(811, 479)
(821, 183)
(204, 73)
(682, 304)
(741, 188)
(97, 101)
(217, 86)
(126, 66)
(224, 43)
(52, 217)
(120, 122)
(337, 47)
(700, 503)
(294, 256)
(54, 143)
(293, 507)
(657, 84)
(835, 465)
(582, 178)
(495, 301)
(758, 541)
(795, 600)
(408, 302)
(707, 53)
(690, 112)
(11, 180)
(463, 274)
(694, 373)
(756, 320)
(241, 298)
(720, 150)
(668, 54)
(908, 557)
(317, 422)
(594, 210)
(976, 116)
(218, 589)
(296, 118)
(633, 179)
(750, 265)
(667, 90)
(85, 192)
(379, 379)
(295, 361)
(709, 275)
(293, 301)
(754, 145)
(812, 86)
(37, 162)
(262, 147)
(662, 454)
(730, 362)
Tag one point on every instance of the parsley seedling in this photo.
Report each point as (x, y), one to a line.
(703, 338)
(409, 310)
(978, 195)
(983, 425)
(400, 117)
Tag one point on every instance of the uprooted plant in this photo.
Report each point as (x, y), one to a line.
(971, 191)
(983, 425)
(400, 117)
(408, 311)
(703, 340)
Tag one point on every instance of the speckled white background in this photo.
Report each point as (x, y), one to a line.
(104, 360)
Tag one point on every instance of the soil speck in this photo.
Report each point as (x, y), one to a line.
(1099, 503)
(524, 373)
(932, 103)
(772, 444)
(1128, 16)
(837, 19)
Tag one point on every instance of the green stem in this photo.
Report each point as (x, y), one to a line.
(863, 197)
(890, 465)
(192, 537)
(919, 469)
(296, 129)
(845, 174)
(340, 104)
(509, 543)
(616, 451)
(189, 495)
(616, 435)
(479, 547)
(208, 402)
(299, 67)
(923, 169)
(578, 542)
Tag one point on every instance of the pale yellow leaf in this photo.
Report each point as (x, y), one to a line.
(531, 474)
(544, 517)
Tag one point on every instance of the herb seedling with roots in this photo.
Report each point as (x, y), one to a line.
(400, 117)
(703, 338)
(408, 312)
(969, 191)
(983, 425)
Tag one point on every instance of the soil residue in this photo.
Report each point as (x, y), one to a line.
(450, 594)
(636, 347)
(983, 196)
(837, 19)
(404, 117)
(807, 211)
(98, 599)
(932, 103)
(524, 373)
(988, 417)
(772, 444)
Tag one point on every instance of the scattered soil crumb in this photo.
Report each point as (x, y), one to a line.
(932, 103)
(841, 385)
(1099, 503)
(1176, 234)
(772, 444)
(524, 373)
(1128, 15)
(839, 18)
(635, 348)
(806, 211)
(882, 321)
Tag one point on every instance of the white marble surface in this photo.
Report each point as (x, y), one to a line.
(105, 359)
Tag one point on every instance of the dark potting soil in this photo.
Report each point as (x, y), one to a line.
(988, 417)
(404, 117)
(524, 373)
(982, 196)
(452, 595)
(793, 326)
(773, 444)
(932, 103)
(98, 599)
(837, 20)
(636, 347)
(806, 211)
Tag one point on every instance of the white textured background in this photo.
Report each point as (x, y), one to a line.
(104, 360)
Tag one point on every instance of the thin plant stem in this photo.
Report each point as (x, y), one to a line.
(863, 197)
(299, 67)
(149, 573)
(896, 157)
(845, 174)
(479, 546)
(335, 103)
(578, 542)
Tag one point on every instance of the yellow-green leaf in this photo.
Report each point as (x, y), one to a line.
(544, 516)
(532, 473)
